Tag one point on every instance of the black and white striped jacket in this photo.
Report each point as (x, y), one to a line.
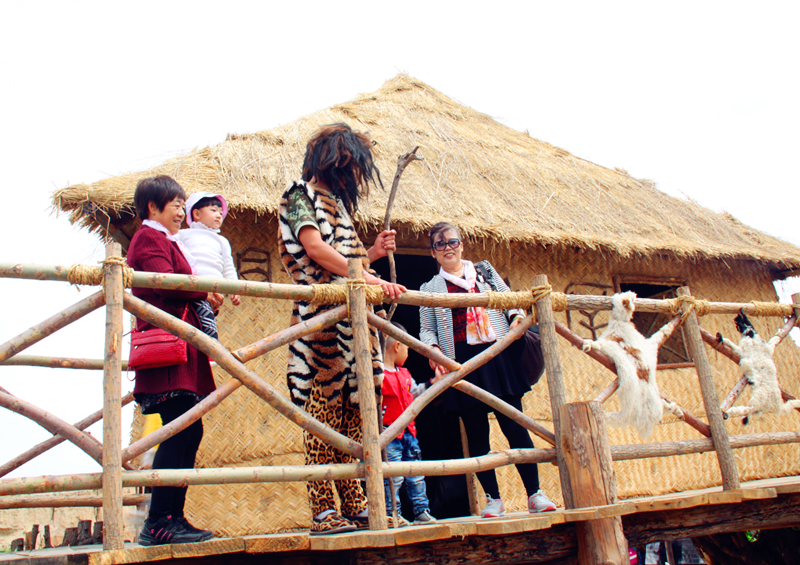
(436, 324)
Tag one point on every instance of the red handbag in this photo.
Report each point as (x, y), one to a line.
(156, 348)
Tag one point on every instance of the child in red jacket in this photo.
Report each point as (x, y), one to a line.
(399, 391)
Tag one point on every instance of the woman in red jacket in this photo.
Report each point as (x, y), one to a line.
(168, 391)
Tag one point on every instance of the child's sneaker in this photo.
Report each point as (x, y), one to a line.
(538, 502)
(167, 530)
(494, 508)
(331, 524)
(424, 517)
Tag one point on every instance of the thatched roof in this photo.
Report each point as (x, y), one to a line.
(490, 180)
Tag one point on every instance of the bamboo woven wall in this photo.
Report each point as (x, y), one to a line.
(243, 431)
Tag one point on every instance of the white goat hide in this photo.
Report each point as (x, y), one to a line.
(635, 358)
(755, 360)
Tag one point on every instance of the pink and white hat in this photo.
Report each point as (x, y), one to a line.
(197, 197)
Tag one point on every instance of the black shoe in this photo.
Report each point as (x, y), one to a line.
(207, 534)
(166, 530)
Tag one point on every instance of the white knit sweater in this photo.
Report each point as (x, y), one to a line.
(211, 251)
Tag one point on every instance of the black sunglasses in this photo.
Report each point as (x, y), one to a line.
(453, 243)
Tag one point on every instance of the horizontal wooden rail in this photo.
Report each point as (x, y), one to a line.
(58, 362)
(66, 501)
(302, 292)
(300, 473)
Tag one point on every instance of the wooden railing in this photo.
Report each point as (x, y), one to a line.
(114, 458)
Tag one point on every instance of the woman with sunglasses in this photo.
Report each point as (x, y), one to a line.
(463, 333)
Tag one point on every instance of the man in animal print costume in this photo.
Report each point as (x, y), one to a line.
(316, 238)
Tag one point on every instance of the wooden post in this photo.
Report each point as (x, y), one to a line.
(112, 408)
(719, 435)
(555, 379)
(376, 501)
(472, 493)
(583, 440)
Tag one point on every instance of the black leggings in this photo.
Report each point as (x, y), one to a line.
(178, 452)
(476, 424)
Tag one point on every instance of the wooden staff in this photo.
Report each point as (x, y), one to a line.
(376, 501)
(48, 444)
(244, 355)
(727, 463)
(113, 522)
(402, 163)
(225, 359)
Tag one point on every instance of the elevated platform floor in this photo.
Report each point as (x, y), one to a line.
(767, 503)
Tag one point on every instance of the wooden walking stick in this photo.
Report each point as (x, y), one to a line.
(402, 163)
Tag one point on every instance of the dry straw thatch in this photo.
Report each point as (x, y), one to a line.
(490, 180)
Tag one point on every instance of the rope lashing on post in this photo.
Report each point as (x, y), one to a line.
(339, 293)
(701, 307)
(771, 309)
(526, 299)
(93, 276)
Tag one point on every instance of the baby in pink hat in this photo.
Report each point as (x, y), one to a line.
(205, 212)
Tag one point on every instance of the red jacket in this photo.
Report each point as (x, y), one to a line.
(397, 396)
(151, 251)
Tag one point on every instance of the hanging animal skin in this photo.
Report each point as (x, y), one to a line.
(635, 358)
(755, 360)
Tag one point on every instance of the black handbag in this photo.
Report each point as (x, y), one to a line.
(532, 358)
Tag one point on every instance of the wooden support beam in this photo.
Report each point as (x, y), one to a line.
(555, 379)
(448, 380)
(51, 325)
(244, 355)
(727, 463)
(112, 231)
(112, 409)
(54, 425)
(48, 444)
(227, 361)
(376, 500)
(584, 442)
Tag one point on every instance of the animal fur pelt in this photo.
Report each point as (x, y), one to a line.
(755, 359)
(635, 358)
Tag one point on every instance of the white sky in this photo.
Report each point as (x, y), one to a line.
(702, 98)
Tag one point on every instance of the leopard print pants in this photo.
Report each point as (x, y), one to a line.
(345, 418)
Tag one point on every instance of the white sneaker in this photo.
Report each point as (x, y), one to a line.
(494, 508)
(538, 502)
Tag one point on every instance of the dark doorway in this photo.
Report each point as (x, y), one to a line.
(437, 431)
